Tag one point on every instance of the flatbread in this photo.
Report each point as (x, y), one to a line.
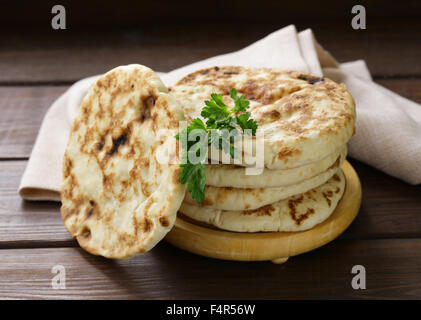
(297, 213)
(118, 199)
(303, 117)
(227, 198)
(228, 175)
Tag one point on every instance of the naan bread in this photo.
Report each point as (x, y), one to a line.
(227, 175)
(303, 117)
(227, 198)
(297, 213)
(118, 199)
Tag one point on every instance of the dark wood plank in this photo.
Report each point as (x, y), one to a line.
(391, 47)
(390, 209)
(392, 271)
(129, 12)
(408, 88)
(27, 223)
(23, 108)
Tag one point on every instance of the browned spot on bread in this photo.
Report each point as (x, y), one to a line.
(107, 181)
(176, 175)
(287, 152)
(144, 185)
(327, 195)
(262, 211)
(336, 177)
(164, 221)
(336, 163)
(291, 127)
(272, 114)
(221, 196)
(207, 202)
(100, 145)
(85, 114)
(147, 103)
(230, 73)
(147, 225)
(187, 79)
(91, 209)
(303, 217)
(67, 167)
(292, 205)
(89, 213)
(253, 90)
(296, 201)
(117, 142)
(67, 191)
(310, 79)
(86, 233)
(309, 195)
(76, 126)
(148, 205)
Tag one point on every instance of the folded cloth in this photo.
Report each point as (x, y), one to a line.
(388, 135)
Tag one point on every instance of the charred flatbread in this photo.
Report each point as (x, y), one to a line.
(118, 198)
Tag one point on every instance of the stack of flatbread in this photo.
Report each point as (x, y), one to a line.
(119, 198)
(306, 122)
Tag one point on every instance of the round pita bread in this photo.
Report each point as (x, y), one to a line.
(297, 213)
(228, 175)
(118, 200)
(303, 117)
(235, 199)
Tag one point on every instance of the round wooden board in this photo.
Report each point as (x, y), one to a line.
(275, 246)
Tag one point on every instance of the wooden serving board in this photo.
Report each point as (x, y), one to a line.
(274, 246)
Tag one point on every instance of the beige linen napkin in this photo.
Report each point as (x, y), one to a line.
(388, 134)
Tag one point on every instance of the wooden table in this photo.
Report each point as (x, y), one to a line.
(36, 67)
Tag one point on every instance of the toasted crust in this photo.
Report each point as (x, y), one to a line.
(118, 200)
(296, 213)
(229, 175)
(303, 117)
(228, 198)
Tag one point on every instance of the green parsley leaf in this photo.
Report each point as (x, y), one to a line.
(220, 130)
(241, 104)
(215, 108)
(245, 122)
(195, 175)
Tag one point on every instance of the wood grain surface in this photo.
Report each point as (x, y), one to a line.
(38, 66)
(166, 272)
(52, 57)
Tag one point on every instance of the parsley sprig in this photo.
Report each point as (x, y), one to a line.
(220, 129)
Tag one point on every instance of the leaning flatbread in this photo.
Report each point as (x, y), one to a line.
(118, 200)
(297, 213)
(303, 117)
